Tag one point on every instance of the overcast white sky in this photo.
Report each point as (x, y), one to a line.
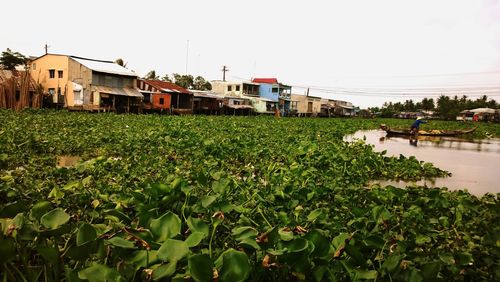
(351, 50)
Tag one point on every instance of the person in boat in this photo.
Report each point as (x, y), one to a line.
(416, 125)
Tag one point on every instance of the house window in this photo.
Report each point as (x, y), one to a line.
(52, 73)
(162, 101)
(52, 91)
(237, 88)
(60, 74)
(34, 66)
(229, 88)
(275, 90)
(58, 90)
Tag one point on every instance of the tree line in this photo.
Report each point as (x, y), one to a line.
(445, 106)
(183, 80)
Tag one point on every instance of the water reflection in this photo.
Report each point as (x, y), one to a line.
(473, 163)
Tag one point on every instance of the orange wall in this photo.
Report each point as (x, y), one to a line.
(166, 101)
(40, 73)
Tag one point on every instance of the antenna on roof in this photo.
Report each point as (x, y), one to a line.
(224, 70)
(46, 48)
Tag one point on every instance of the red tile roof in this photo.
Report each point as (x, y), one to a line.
(265, 80)
(167, 86)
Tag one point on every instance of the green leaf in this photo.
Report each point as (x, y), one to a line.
(430, 270)
(197, 225)
(356, 254)
(118, 214)
(447, 258)
(141, 258)
(99, 273)
(245, 232)
(50, 254)
(249, 243)
(415, 276)
(392, 262)
(206, 201)
(220, 186)
(7, 249)
(201, 267)
(340, 240)
(195, 239)
(297, 245)
(235, 266)
(165, 270)
(375, 241)
(165, 227)
(40, 208)
(365, 274)
(55, 218)
(314, 214)
(464, 258)
(285, 235)
(321, 244)
(86, 233)
(173, 250)
(122, 243)
(422, 239)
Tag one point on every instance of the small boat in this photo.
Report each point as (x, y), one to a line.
(434, 132)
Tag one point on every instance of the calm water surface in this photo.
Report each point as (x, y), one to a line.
(474, 164)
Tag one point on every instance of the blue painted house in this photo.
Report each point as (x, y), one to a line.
(271, 89)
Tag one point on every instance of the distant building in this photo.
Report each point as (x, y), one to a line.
(275, 91)
(308, 106)
(343, 108)
(235, 89)
(207, 102)
(165, 96)
(264, 105)
(81, 83)
(331, 107)
(480, 114)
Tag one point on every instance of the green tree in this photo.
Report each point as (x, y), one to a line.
(201, 84)
(166, 78)
(427, 104)
(9, 59)
(152, 75)
(183, 80)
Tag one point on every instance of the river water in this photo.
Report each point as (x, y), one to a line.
(474, 164)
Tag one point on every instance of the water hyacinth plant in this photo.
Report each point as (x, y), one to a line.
(228, 199)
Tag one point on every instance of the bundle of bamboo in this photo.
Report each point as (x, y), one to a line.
(18, 90)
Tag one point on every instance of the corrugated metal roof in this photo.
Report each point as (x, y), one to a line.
(104, 66)
(167, 86)
(131, 92)
(265, 80)
(345, 107)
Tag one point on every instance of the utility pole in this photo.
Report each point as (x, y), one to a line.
(224, 70)
(187, 56)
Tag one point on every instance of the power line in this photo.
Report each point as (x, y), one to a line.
(408, 92)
